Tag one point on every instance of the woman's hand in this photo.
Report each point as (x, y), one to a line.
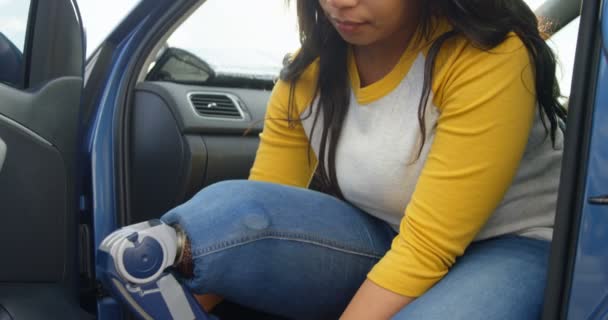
(373, 302)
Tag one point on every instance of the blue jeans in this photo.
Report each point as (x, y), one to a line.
(303, 255)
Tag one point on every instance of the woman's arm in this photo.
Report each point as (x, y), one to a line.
(284, 155)
(487, 106)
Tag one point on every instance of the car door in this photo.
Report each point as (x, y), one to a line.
(578, 275)
(41, 67)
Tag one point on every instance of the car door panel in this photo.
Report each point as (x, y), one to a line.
(158, 158)
(36, 211)
(229, 157)
(588, 298)
(174, 152)
(39, 126)
(576, 281)
(38, 301)
(37, 142)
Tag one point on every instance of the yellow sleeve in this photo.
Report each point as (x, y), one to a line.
(284, 155)
(487, 105)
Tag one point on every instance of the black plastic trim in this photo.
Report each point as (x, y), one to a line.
(574, 165)
(229, 157)
(253, 102)
(158, 159)
(196, 166)
(29, 43)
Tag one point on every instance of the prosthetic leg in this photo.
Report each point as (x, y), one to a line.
(132, 265)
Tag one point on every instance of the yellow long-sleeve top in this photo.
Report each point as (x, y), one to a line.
(486, 168)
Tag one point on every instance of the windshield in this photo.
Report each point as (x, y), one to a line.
(240, 37)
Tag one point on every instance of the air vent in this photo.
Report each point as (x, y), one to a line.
(216, 105)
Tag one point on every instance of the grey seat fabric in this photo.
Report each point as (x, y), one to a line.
(38, 301)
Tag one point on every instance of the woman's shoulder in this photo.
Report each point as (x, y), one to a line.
(461, 62)
(460, 49)
(304, 88)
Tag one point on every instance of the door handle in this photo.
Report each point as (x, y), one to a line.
(601, 200)
(2, 153)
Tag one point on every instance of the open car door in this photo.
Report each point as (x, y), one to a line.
(578, 274)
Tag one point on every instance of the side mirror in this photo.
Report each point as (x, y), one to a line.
(179, 65)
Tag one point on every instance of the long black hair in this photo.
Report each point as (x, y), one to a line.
(485, 23)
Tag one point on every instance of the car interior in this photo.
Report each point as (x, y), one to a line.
(185, 127)
(183, 135)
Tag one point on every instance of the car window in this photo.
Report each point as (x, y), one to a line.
(233, 43)
(241, 41)
(99, 18)
(13, 27)
(563, 44)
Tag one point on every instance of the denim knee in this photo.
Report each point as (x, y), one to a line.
(220, 199)
(223, 212)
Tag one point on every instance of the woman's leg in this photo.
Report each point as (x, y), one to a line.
(502, 278)
(283, 250)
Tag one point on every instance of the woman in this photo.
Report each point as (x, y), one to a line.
(439, 128)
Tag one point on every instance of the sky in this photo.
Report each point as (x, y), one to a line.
(225, 24)
(13, 14)
(240, 34)
(228, 34)
(265, 22)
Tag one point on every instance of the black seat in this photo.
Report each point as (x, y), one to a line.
(11, 61)
(38, 301)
